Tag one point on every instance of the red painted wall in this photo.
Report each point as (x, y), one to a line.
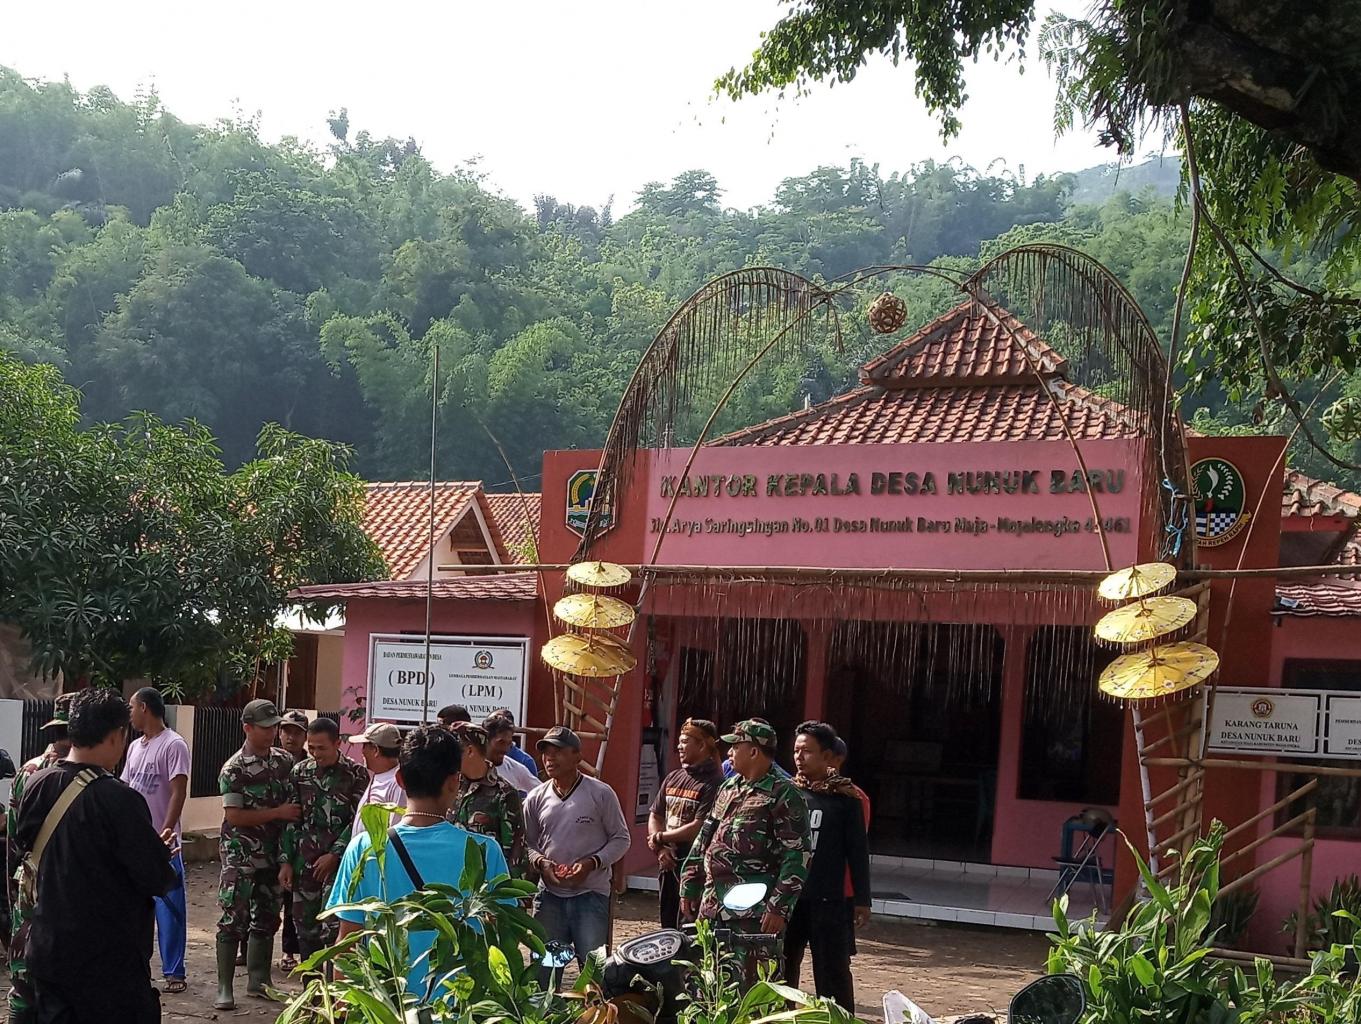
(1244, 647)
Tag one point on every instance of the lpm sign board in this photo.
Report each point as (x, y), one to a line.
(1298, 723)
(481, 673)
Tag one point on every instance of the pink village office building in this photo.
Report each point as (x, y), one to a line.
(970, 708)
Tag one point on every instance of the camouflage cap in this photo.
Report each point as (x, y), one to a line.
(260, 712)
(295, 719)
(474, 734)
(752, 730)
(61, 711)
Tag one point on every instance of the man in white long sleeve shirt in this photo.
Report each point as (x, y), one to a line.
(576, 832)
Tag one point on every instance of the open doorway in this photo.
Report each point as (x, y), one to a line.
(756, 670)
(920, 707)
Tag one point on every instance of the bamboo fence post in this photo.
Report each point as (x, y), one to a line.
(1306, 882)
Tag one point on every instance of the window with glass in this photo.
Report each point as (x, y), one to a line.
(1338, 797)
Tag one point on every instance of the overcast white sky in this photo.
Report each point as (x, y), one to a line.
(582, 100)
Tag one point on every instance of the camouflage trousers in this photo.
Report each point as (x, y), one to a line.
(309, 900)
(21, 999)
(250, 900)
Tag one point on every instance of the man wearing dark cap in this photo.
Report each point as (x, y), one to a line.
(293, 740)
(757, 832)
(21, 912)
(487, 804)
(576, 832)
(684, 801)
(256, 804)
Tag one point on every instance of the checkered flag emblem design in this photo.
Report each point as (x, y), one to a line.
(1215, 523)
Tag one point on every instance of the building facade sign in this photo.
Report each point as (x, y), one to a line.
(1220, 499)
(967, 505)
(1288, 723)
(481, 673)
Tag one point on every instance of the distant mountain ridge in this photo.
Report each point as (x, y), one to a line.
(1160, 174)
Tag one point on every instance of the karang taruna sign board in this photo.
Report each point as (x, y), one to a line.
(481, 673)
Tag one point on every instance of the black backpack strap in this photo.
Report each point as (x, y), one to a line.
(395, 841)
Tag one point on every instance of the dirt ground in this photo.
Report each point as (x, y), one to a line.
(946, 970)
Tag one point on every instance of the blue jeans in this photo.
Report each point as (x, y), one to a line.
(171, 929)
(582, 920)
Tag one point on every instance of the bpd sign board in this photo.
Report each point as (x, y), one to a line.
(481, 673)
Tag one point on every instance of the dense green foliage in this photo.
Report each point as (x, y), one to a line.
(200, 272)
(126, 550)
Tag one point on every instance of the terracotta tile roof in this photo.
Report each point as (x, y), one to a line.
(959, 378)
(1316, 598)
(396, 516)
(1305, 496)
(963, 348)
(517, 533)
(515, 586)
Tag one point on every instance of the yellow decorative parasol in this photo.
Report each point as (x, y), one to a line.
(595, 656)
(1137, 581)
(1146, 620)
(593, 611)
(598, 574)
(1161, 672)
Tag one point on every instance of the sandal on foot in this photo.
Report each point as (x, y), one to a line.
(175, 985)
(287, 962)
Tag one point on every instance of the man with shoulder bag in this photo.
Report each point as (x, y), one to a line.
(94, 864)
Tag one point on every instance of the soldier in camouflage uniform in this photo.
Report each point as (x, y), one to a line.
(328, 787)
(293, 740)
(756, 832)
(256, 804)
(21, 1009)
(488, 804)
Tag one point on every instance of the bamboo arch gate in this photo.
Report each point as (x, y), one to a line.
(725, 329)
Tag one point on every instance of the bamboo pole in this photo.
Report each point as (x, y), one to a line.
(1266, 812)
(1306, 882)
(1262, 869)
(1275, 833)
(1179, 809)
(1182, 733)
(1286, 962)
(1261, 766)
(1179, 787)
(1074, 576)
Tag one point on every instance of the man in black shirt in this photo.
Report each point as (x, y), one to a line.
(103, 865)
(824, 918)
(682, 804)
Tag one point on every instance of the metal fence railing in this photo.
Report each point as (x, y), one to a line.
(37, 713)
(217, 736)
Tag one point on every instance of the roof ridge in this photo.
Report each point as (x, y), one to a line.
(859, 393)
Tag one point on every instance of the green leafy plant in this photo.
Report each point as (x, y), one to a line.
(1231, 915)
(1157, 966)
(1331, 921)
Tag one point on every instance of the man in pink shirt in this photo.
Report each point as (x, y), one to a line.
(158, 768)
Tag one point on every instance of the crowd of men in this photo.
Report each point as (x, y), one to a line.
(95, 862)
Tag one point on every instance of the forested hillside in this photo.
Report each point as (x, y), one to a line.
(196, 271)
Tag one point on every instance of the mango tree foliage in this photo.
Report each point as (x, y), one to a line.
(128, 551)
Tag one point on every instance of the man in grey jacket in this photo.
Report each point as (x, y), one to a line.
(576, 831)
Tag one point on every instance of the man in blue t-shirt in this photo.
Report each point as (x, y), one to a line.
(427, 769)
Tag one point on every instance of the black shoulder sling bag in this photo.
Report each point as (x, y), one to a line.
(395, 841)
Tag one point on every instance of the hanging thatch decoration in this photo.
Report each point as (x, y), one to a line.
(1076, 304)
(710, 342)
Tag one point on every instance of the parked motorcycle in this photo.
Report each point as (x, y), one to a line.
(1055, 999)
